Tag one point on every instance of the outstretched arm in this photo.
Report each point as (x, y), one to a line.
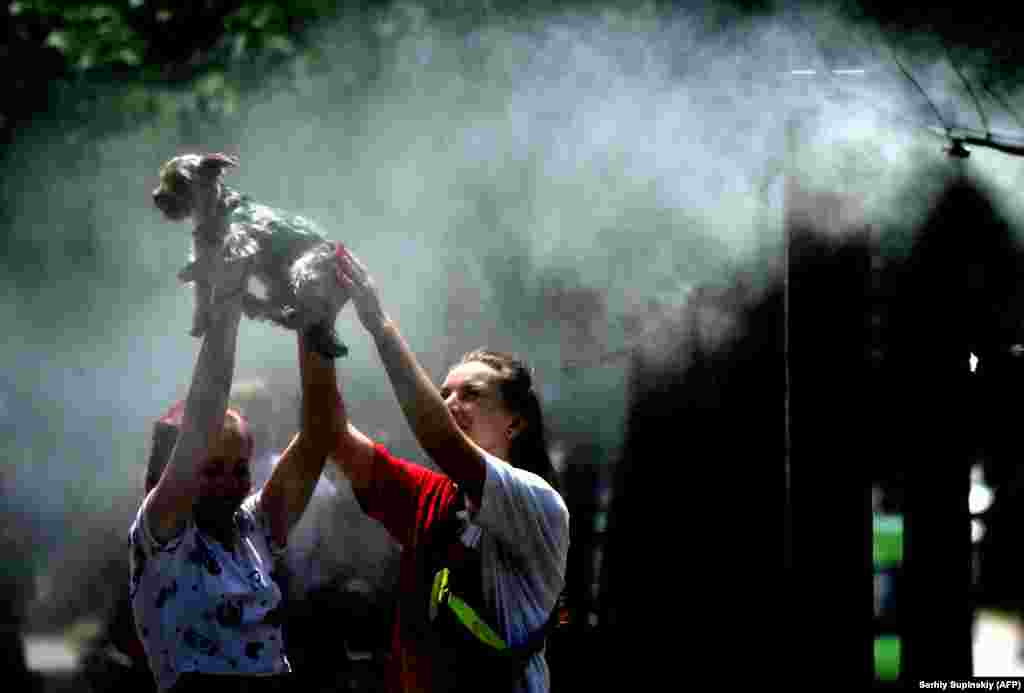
(170, 502)
(291, 485)
(421, 403)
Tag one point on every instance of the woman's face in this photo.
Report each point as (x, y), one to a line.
(224, 477)
(472, 393)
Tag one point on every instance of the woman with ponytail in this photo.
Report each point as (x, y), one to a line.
(485, 541)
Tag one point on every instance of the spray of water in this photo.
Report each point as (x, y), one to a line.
(552, 185)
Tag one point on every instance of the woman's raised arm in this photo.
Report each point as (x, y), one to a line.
(420, 401)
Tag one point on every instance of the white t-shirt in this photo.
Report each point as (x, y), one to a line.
(521, 522)
(308, 542)
(199, 607)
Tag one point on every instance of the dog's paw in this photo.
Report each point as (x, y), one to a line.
(254, 307)
(290, 318)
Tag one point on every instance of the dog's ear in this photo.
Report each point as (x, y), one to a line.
(211, 165)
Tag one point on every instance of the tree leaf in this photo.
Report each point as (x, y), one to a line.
(129, 56)
(240, 44)
(211, 84)
(87, 59)
(59, 40)
(104, 13)
(262, 18)
(281, 44)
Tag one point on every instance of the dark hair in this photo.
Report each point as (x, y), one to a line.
(165, 435)
(529, 448)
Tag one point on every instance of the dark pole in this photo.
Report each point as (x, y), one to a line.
(828, 397)
(929, 375)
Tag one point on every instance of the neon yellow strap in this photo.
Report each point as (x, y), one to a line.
(440, 594)
(476, 625)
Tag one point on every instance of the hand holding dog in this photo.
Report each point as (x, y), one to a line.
(361, 288)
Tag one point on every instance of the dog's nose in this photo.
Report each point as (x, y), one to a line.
(161, 199)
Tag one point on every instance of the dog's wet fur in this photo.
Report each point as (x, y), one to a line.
(286, 254)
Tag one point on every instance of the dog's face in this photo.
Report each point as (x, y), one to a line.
(186, 181)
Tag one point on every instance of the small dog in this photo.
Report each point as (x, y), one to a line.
(287, 255)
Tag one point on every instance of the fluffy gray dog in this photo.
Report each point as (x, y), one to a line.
(287, 256)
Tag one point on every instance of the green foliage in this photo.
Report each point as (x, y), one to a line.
(171, 61)
(89, 36)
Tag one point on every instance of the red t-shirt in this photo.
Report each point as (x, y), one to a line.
(410, 501)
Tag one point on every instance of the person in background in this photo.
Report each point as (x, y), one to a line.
(306, 573)
(270, 415)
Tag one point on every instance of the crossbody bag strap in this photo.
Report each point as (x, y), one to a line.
(441, 597)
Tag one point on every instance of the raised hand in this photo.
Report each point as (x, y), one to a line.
(354, 278)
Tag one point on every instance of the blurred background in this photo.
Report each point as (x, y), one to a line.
(764, 257)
